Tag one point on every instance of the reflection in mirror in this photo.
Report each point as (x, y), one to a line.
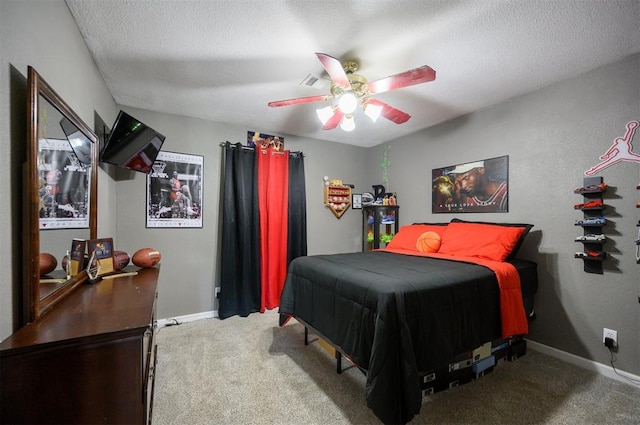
(63, 180)
(61, 185)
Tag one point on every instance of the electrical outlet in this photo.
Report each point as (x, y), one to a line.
(610, 333)
(216, 292)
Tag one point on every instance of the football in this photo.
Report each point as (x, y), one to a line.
(146, 257)
(120, 259)
(48, 263)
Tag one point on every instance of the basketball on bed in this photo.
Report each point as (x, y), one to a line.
(428, 242)
(146, 257)
(47, 263)
(120, 259)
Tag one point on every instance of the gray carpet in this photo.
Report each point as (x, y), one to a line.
(250, 371)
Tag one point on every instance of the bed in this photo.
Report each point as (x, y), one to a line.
(400, 312)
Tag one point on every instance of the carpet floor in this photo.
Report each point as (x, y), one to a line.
(250, 371)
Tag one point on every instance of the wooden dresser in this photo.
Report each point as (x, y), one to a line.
(90, 360)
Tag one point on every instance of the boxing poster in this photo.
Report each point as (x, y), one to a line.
(174, 191)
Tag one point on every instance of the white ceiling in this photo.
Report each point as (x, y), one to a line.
(224, 60)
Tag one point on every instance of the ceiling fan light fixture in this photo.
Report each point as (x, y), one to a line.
(350, 91)
(348, 102)
(324, 114)
(372, 111)
(348, 123)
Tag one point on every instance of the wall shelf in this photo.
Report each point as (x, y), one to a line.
(379, 225)
(592, 223)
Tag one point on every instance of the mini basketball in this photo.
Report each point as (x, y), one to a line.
(47, 263)
(146, 257)
(120, 259)
(428, 242)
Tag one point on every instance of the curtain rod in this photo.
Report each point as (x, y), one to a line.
(234, 145)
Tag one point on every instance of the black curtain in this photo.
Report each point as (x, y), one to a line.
(240, 256)
(297, 223)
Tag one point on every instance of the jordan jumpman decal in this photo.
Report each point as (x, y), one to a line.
(620, 150)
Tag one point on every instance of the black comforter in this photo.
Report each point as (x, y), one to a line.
(396, 316)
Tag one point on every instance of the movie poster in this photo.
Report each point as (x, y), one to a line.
(174, 191)
(477, 186)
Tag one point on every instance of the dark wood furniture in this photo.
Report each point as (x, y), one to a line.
(378, 223)
(91, 359)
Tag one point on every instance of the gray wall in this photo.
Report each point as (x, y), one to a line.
(44, 35)
(190, 256)
(551, 136)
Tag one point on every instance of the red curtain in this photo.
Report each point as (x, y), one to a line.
(273, 201)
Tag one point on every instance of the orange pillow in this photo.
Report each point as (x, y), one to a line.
(407, 236)
(480, 240)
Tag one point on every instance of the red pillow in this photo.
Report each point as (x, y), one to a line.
(407, 236)
(480, 240)
(527, 228)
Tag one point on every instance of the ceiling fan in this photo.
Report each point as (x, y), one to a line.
(352, 90)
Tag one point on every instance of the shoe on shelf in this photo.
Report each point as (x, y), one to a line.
(591, 237)
(591, 204)
(591, 221)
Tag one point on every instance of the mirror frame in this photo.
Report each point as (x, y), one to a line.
(34, 306)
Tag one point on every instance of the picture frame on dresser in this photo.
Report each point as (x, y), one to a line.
(103, 250)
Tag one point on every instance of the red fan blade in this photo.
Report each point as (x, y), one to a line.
(424, 74)
(334, 120)
(300, 100)
(389, 112)
(335, 70)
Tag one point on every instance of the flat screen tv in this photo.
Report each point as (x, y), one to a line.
(131, 144)
(80, 144)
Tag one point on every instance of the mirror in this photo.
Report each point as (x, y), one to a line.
(61, 186)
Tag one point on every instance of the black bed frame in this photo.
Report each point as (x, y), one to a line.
(339, 352)
(515, 348)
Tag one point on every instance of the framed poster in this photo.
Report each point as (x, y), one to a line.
(477, 186)
(356, 202)
(63, 186)
(261, 140)
(174, 191)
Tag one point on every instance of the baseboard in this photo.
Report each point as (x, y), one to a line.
(187, 318)
(599, 368)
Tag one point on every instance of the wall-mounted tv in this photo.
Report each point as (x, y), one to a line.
(131, 144)
(80, 144)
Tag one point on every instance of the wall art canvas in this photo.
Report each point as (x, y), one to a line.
(174, 191)
(261, 140)
(477, 186)
(63, 186)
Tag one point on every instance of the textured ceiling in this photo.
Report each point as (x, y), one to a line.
(224, 60)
